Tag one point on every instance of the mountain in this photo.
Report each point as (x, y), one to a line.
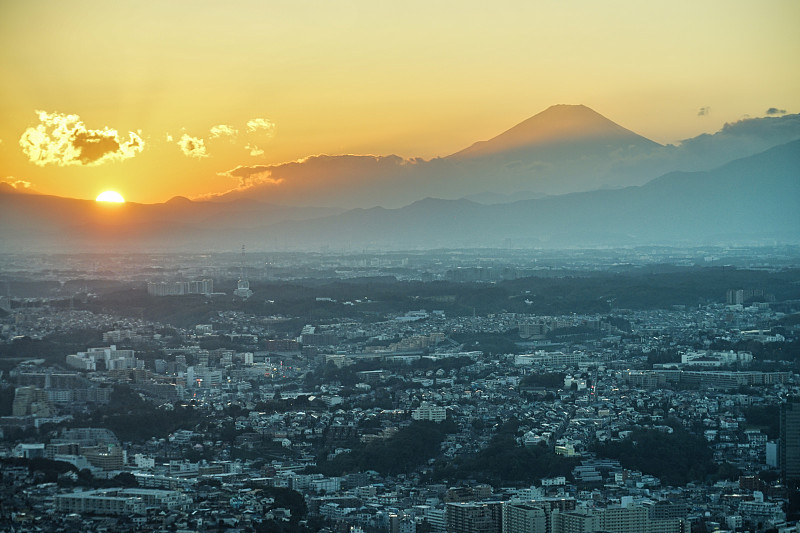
(559, 126)
(749, 200)
(555, 179)
(566, 148)
(563, 149)
(35, 222)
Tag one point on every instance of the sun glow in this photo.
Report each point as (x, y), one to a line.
(110, 196)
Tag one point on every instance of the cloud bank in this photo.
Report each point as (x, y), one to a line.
(749, 135)
(249, 176)
(64, 140)
(325, 180)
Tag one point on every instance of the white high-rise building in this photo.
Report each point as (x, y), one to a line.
(427, 411)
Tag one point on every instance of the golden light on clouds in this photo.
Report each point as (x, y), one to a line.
(192, 146)
(223, 130)
(63, 140)
(261, 125)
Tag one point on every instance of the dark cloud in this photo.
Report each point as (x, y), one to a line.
(64, 140)
(94, 146)
(703, 111)
(775, 111)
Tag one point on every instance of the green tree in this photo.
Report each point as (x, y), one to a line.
(676, 458)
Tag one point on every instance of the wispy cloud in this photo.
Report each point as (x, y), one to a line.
(260, 129)
(775, 111)
(261, 125)
(703, 111)
(254, 150)
(64, 140)
(223, 130)
(192, 146)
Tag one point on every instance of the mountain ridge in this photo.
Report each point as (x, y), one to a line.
(431, 203)
(704, 208)
(607, 157)
(754, 197)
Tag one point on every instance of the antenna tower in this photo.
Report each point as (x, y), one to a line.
(243, 287)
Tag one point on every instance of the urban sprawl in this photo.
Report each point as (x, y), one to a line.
(301, 393)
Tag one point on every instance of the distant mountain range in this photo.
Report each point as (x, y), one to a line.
(565, 177)
(750, 200)
(43, 223)
(563, 149)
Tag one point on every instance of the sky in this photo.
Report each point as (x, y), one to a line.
(157, 99)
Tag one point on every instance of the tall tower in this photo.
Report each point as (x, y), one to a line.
(243, 286)
(789, 447)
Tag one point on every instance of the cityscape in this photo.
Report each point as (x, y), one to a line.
(400, 267)
(439, 391)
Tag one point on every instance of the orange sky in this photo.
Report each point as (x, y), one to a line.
(263, 82)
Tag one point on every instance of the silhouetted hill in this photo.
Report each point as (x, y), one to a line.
(43, 222)
(750, 200)
(746, 200)
(564, 149)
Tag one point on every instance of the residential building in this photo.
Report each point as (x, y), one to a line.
(474, 517)
(789, 446)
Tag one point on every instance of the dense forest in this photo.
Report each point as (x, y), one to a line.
(674, 455)
(506, 462)
(411, 447)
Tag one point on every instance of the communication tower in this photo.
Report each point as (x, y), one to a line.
(243, 286)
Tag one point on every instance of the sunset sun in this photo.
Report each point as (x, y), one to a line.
(110, 196)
